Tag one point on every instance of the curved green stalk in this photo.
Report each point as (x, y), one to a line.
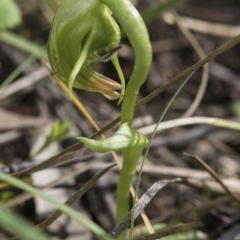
(121, 76)
(136, 31)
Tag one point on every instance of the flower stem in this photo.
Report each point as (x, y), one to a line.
(136, 31)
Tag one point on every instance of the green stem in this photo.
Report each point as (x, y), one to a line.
(130, 160)
(127, 172)
(136, 31)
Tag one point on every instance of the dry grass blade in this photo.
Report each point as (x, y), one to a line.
(187, 210)
(148, 130)
(226, 46)
(200, 52)
(49, 162)
(140, 206)
(179, 21)
(206, 27)
(10, 120)
(213, 174)
(212, 186)
(170, 231)
(24, 83)
(54, 216)
(63, 178)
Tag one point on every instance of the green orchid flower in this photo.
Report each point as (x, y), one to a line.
(83, 32)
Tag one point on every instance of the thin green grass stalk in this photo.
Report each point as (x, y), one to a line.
(80, 218)
(148, 147)
(15, 224)
(24, 44)
(17, 71)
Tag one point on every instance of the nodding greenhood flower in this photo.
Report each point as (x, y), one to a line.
(82, 32)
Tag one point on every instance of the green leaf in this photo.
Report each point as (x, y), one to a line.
(58, 133)
(125, 137)
(10, 14)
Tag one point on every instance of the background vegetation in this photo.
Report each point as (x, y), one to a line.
(38, 121)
